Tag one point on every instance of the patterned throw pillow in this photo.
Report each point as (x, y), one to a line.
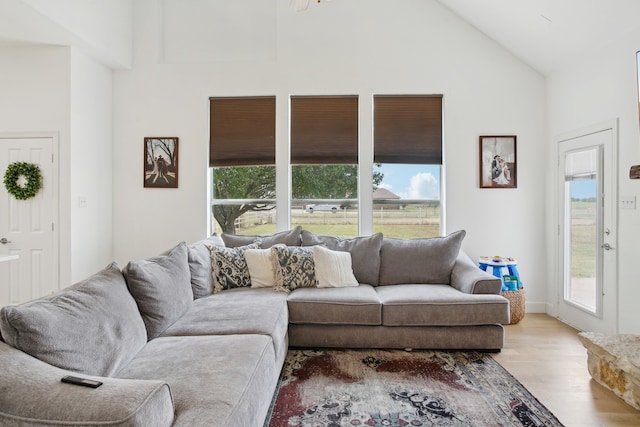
(229, 268)
(293, 267)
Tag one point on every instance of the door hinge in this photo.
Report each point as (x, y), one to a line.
(52, 226)
(52, 158)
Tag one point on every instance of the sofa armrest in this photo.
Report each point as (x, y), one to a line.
(31, 394)
(467, 277)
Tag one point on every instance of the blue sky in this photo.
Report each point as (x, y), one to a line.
(583, 189)
(411, 181)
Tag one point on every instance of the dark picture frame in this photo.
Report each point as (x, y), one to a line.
(638, 81)
(161, 162)
(498, 161)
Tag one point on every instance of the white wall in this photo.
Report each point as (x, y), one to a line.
(356, 47)
(603, 86)
(58, 90)
(91, 174)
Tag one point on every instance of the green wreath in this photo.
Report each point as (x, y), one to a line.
(31, 185)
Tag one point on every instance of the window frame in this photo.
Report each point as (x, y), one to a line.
(366, 146)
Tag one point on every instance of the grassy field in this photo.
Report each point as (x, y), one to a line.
(411, 222)
(583, 239)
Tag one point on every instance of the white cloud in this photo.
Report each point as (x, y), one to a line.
(423, 186)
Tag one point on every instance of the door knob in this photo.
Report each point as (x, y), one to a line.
(607, 247)
(4, 241)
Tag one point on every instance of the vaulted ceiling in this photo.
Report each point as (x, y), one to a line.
(549, 34)
(546, 34)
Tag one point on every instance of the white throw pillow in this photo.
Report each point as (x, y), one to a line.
(333, 268)
(260, 267)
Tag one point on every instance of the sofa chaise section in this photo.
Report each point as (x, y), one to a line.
(223, 380)
(31, 394)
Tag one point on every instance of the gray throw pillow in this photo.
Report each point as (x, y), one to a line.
(365, 252)
(161, 287)
(199, 256)
(93, 327)
(293, 267)
(422, 261)
(288, 238)
(229, 268)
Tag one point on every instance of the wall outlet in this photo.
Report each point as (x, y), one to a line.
(628, 202)
(82, 202)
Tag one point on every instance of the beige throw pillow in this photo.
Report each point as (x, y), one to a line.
(260, 264)
(333, 268)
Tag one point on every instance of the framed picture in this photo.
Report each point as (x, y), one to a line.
(498, 165)
(161, 162)
(638, 82)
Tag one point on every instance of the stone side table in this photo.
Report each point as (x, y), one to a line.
(614, 362)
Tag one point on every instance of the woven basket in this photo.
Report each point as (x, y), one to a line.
(516, 304)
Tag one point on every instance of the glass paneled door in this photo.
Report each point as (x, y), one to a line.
(587, 227)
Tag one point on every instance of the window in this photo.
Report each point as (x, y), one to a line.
(324, 146)
(324, 159)
(408, 158)
(581, 227)
(242, 155)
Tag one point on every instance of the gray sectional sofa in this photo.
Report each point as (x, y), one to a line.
(190, 338)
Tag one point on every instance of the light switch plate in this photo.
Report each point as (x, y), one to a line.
(628, 202)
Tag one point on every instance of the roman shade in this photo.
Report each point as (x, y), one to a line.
(407, 129)
(324, 129)
(581, 165)
(242, 131)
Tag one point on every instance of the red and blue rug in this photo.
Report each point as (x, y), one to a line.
(339, 388)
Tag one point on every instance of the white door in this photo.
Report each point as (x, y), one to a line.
(27, 226)
(588, 228)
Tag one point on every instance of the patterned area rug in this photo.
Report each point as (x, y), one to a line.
(397, 388)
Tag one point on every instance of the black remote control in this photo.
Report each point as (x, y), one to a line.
(86, 382)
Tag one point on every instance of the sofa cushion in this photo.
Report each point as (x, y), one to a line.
(293, 267)
(365, 252)
(199, 256)
(229, 267)
(428, 260)
(222, 380)
(33, 395)
(93, 327)
(260, 264)
(333, 268)
(238, 311)
(335, 306)
(439, 305)
(161, 287)
(288, 238)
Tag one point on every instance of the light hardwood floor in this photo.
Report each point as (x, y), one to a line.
(546, 356)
